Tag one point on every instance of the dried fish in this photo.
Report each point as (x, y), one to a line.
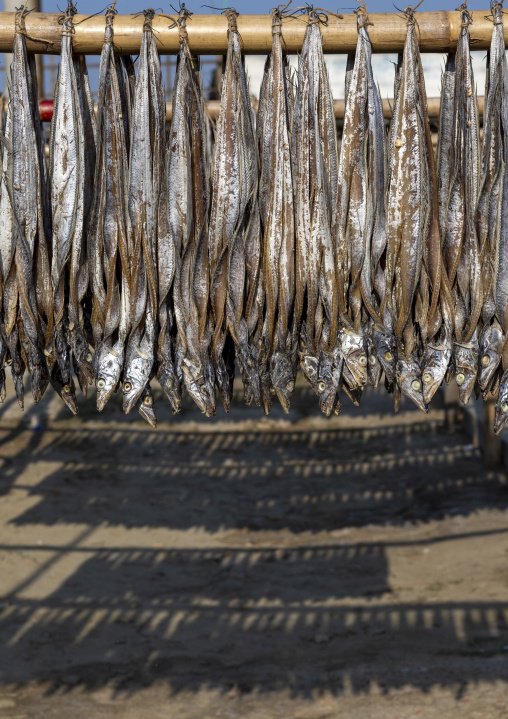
(143, 195)
(109, 233)
(279, 353)
(189, 213)
(315, 171)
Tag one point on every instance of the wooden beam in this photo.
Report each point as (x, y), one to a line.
(438, 32)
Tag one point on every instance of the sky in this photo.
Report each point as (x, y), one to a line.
(247, 6)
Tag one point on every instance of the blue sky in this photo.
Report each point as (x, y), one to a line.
(246, 6)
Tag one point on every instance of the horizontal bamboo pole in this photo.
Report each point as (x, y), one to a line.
(213, 108)
(433, 105)
(438, 32)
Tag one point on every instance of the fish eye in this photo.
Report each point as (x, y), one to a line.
(148, 401)
(321, 386)
(127, 386)
(485, 360)
(169, 383)
(89, 357)
(66, 389)
(372, 359)
(427, 377)
(290, 386)
(388, 356)
(460, 378)
(362, 360)
(416, 384)
(101, 383)
(504, 406)
(272, 390)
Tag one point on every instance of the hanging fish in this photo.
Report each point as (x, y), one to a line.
(279, 355)
(243, 252)
(143, 195)
(459, 167)
(189, 198)
(413, 262)
(22, 192)
(489, 205)
(109, 233)
(500, 266)
(315, 171)
(67, 180)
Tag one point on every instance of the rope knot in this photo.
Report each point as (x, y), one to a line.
(276, 22)
(149, 15)
(231, 15)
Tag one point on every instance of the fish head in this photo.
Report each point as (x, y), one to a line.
(283, 376)
(136, 375)
(465, 356)
(199, 384)
(82, 353)
(436, 359)
(145, 407)
(386, 351)
(374, 367)
(265, 384)
(171, 384)
(39, 381)
(247, 362)
(501, 416)
(224, 383)
(309, 364)
(409, 379)
(328, 378)
(355, 356)
(491, 347)
(108, 368)
(68, 393)
(17, 372)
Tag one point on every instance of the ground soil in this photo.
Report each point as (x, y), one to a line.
(281, 567)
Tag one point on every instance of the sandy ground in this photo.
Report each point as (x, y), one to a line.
(289, 567)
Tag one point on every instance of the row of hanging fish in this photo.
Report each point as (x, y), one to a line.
(179, 253)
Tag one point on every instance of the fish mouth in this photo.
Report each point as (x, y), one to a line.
(171, 387)
(20, 391)
(466, 388)
(375, 374)
(39, 384)
(284, 398)
(70, 400)
(309, 367)
(250, 376)
(417, 399)
(501, 418)
(201, 398)
(130, 398)
(408, 374)
(327, 401)
(487, 373)
(148, 415)
(430, 389)
(103, 396)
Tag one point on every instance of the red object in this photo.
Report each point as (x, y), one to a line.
(46, 110)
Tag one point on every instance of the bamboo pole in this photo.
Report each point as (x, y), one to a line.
(213, 108)
(438, 32)
(433, 106)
